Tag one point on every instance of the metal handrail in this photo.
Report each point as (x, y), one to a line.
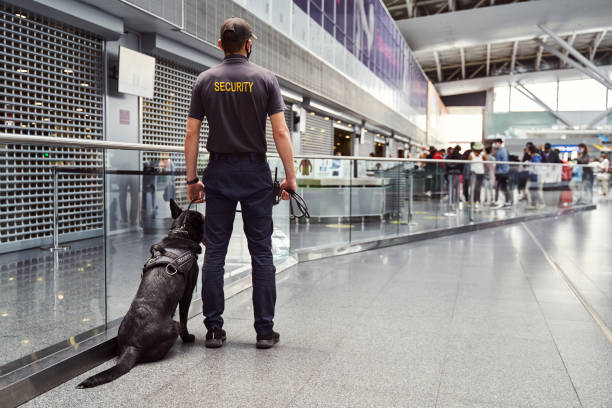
(109, 145)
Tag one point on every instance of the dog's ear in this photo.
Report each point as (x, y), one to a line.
(175, 209)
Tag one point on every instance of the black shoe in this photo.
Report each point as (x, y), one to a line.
(267, 341)
(215, 338)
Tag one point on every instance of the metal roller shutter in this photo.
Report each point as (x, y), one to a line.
(165, 115)
(319, 135)
(52, 85)
(270, 136)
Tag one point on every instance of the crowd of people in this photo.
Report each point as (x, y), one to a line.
(495, 181)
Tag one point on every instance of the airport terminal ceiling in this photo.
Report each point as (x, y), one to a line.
(456, 40)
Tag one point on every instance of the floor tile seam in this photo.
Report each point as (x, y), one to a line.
(578, 267)
(552, 335)
(601, 324)
(586, 275)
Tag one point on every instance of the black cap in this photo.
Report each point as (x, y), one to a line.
(239, 27)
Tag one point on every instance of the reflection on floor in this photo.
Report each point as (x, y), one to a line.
(480, 319)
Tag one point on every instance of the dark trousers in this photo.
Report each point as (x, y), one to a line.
(502, 184)
(229, 180)
(478, 178)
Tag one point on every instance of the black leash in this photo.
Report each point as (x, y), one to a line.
(300, 203)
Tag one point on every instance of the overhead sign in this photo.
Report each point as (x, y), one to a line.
(136, 73)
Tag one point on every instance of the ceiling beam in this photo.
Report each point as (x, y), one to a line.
(453, 74)
(480, 3)
(488, 58)
(409, 7)
(473, 74)
(451, 5)
(570, 42)
(500, 69)
(530, 95)
(513, 56)
(441, 9)
(588, 64)
(598, 118)
(538, 60)
(575, 64)
(462, 53)
(438, 66)
(596, 43)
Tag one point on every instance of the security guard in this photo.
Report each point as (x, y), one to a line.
(236, 96)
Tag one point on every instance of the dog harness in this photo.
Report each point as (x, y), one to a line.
(174, 259)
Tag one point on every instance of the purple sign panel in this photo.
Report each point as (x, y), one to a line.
(368, 32)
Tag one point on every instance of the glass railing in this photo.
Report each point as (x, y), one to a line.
(78, 219)
(356, 200)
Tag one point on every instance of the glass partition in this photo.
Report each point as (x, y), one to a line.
(52, 282)
(325, 184)
(100, 211)
(385, 198)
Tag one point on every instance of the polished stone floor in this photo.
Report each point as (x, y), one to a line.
(481, 319)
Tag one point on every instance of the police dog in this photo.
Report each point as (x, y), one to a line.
(148, 331)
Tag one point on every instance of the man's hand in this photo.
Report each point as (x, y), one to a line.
(290, 184)
(195, 192)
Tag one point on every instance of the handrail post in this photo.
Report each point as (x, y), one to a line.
(56, 246)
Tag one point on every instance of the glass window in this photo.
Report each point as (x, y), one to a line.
(340, 15)
(521, 103)
(303, 4)
(582, 95)
(316, 11)
(501, 99)
(546, 91)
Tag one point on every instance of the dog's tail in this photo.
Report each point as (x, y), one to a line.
(126, 361)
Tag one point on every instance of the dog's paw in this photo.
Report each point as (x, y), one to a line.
(190, 338)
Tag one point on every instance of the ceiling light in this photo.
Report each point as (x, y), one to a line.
(322, 130)
(312, 113)
(338, 121)
(350, 125)
(38, 104)
(68, 71)
(347, 137)
(46, 119)
(84, 84)
(60, 295)
(4, 314)
(22, 70)
(326, 118)
(365, 130)
(25, 341)
(79, 109)
(85, 319)
(20, 15)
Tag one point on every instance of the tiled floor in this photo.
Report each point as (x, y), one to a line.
(480, 319)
